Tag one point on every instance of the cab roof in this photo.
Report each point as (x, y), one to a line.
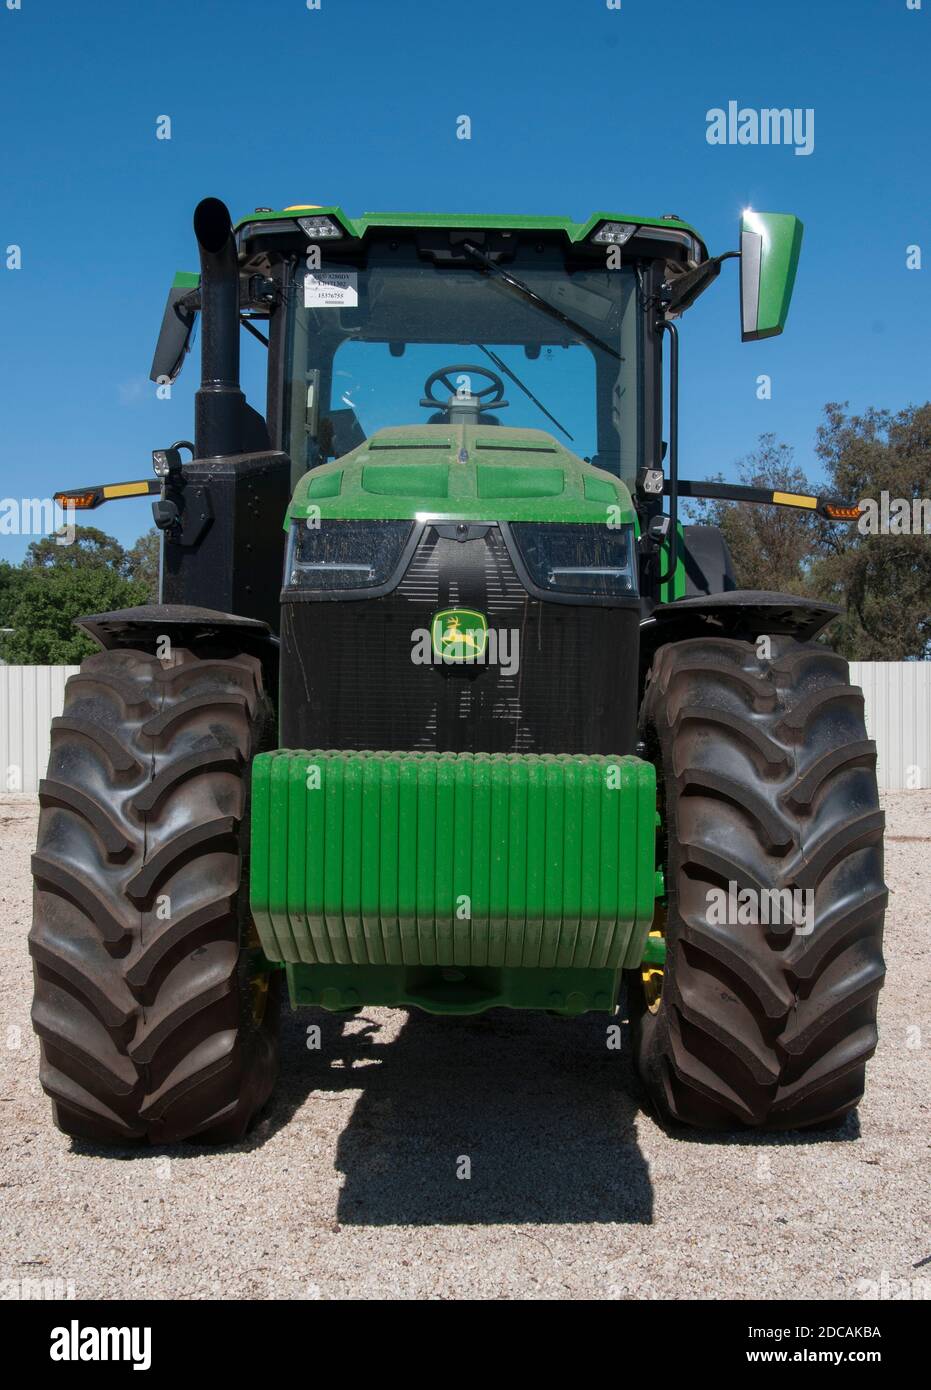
(576, 232)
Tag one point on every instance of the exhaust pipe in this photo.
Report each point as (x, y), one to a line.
(219, 404)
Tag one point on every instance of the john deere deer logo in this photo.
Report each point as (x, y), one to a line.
(459, 634)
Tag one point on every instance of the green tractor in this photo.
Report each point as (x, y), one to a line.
(442, 706)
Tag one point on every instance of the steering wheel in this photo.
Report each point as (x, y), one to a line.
(494, 390)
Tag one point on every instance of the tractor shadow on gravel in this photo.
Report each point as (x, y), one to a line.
(538, 1106)
(543, 1111)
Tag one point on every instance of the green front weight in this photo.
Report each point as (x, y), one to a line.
(453, 882)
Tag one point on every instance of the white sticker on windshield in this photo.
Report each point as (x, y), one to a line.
(574, 297)
(331, 289)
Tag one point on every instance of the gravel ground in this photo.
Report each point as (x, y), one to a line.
(349, 1186)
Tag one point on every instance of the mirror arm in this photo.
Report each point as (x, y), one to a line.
(681, 293)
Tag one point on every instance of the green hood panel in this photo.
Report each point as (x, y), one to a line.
(454, 472)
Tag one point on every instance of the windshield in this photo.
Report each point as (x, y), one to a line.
(364, 341)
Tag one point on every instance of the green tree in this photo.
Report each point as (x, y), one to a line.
(883, 581)
(772, 547)
(143, 560)
(90, 548)
(54, 585)
(11, 577)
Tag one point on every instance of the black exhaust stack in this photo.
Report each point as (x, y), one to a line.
(222, 513)
(219, 404)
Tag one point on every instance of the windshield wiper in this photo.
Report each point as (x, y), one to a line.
(537, 299)
(503, 367)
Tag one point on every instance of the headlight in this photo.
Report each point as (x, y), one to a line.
(592, 560)
(318, 227)
(336, 555)
(615, 233)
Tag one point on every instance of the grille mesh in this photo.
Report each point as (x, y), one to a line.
(349, 681)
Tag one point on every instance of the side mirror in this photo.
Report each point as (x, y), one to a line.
(177, 330)
(770, 243)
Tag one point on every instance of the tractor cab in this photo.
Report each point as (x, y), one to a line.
(400, 319)
(417, 322)
(514, 329)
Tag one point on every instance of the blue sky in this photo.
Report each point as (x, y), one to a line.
(574, 107)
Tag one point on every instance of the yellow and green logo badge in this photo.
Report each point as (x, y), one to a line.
(459, 634)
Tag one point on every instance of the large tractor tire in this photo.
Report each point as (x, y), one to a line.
(156, 1021)
(766, 780)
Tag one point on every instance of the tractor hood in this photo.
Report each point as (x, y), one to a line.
(452, 472)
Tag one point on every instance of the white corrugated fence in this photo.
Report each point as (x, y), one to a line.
(898, 717)
(30, 698)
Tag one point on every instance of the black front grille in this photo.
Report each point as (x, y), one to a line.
(349, 681)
